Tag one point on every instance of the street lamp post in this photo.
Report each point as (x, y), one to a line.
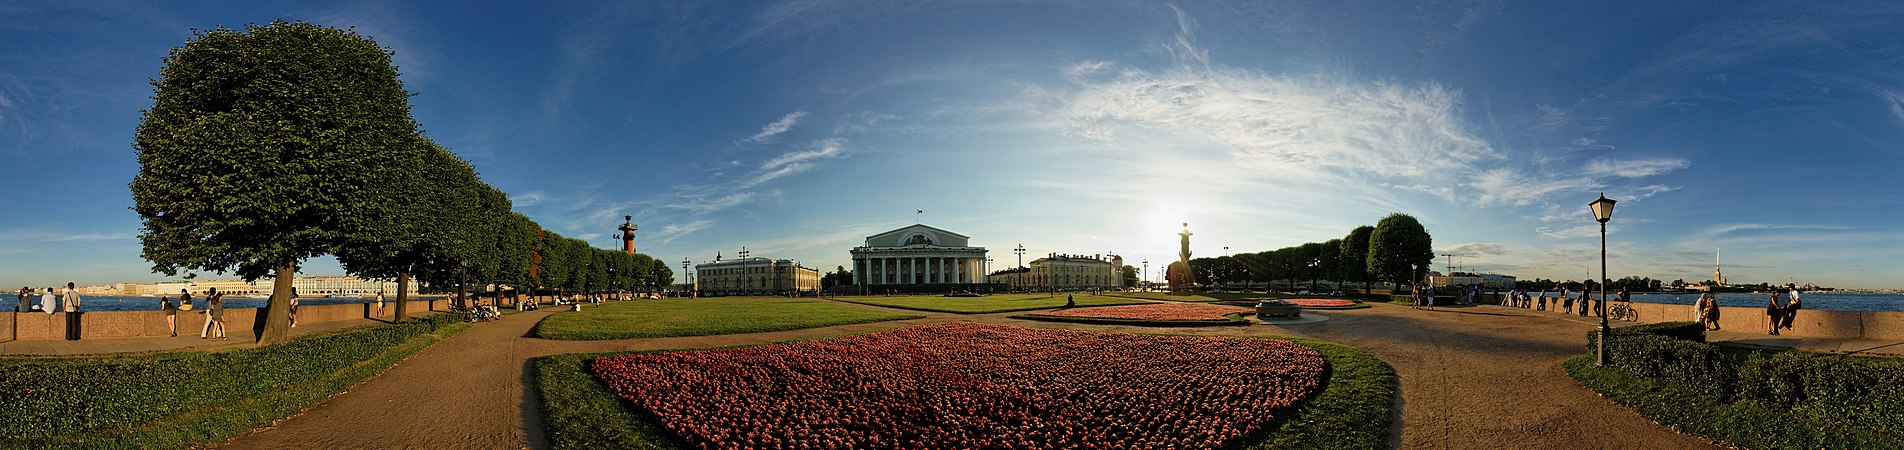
(1602, 211)
(1146, 274)
(687, 283)
(1021, 254)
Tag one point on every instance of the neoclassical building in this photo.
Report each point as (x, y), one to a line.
(1065, 273)
(917, 257)
(755, 275)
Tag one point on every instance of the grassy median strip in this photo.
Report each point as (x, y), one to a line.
(1227, 320)
(1353, 411)
(178, 400)
(702, 317)
(988, 304)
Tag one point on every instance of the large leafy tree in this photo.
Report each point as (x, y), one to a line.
(258, 148)
(515, 250)
(1330, 256)
(1399, 242)
(1354, 255)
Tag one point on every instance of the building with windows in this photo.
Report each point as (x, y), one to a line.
(917, 258)
(1065, 273)
(1485, 280)
(755, 276)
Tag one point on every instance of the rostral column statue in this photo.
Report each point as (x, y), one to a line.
(1180, 279)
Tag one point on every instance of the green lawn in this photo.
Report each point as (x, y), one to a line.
(988, 304)
(1353, 411)
(194, 399)
(701, 317)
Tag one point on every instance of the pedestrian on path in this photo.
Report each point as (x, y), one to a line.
(1699, 310)
(1585, 299)
(205, 331)
(294, 305)
(171, 315)
(218, 316)
(70, 300)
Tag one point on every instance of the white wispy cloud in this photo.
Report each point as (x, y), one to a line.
(527, 199)
(778, 126)
(1475, 249)
(1635, 168)
(672, 231)
(795, 162)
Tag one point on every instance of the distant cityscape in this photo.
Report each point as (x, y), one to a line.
(306, 286)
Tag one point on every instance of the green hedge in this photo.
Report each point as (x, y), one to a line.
(175, 400)
(1847, 391)
(1749, 398)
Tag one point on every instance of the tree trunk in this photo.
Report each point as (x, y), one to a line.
(276, 325)
(403, 297)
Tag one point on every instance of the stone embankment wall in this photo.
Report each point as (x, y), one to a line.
(134, 324)
(1810, 323)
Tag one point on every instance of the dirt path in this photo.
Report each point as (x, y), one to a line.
(1480, 377)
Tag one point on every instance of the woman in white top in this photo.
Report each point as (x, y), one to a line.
(70, 298)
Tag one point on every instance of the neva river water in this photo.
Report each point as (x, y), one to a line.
(106, 303)
(1811, 300)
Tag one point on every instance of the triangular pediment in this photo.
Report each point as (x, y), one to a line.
(918, 234)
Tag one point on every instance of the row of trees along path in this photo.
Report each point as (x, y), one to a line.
(1386, 252)
(1475, 377)
(275, 144)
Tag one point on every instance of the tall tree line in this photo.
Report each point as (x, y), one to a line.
(270, 145)
(1385, 252)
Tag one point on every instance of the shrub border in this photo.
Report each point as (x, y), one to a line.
(238, 417)
(1354, 410)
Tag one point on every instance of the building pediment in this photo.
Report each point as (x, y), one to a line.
(917, 235)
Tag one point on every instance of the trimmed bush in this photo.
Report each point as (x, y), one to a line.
(1749, 398)
(1849, 391)
(175, 400)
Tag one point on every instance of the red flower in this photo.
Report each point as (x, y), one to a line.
(965, 385)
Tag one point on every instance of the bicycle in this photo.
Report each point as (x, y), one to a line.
(1623, 311)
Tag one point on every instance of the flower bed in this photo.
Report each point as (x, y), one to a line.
(966, 385)
(1152, 312)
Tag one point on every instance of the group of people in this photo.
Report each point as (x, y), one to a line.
(1781, 316)
(214, 312)
(1585, 305)
(1707, 307)
(48, 302)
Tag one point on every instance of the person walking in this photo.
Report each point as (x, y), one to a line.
(171, 314)
(204, 332)
(294, 305)
(217, 313)
(1699, 311)
(1586, 297)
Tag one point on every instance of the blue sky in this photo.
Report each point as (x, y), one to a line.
(1773, 130)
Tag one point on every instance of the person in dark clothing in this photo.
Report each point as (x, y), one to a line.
(1774, 313)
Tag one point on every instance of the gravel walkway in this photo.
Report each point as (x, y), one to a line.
(1474, 377)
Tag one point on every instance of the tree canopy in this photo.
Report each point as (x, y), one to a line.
(270, 145)
(1399, 242)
